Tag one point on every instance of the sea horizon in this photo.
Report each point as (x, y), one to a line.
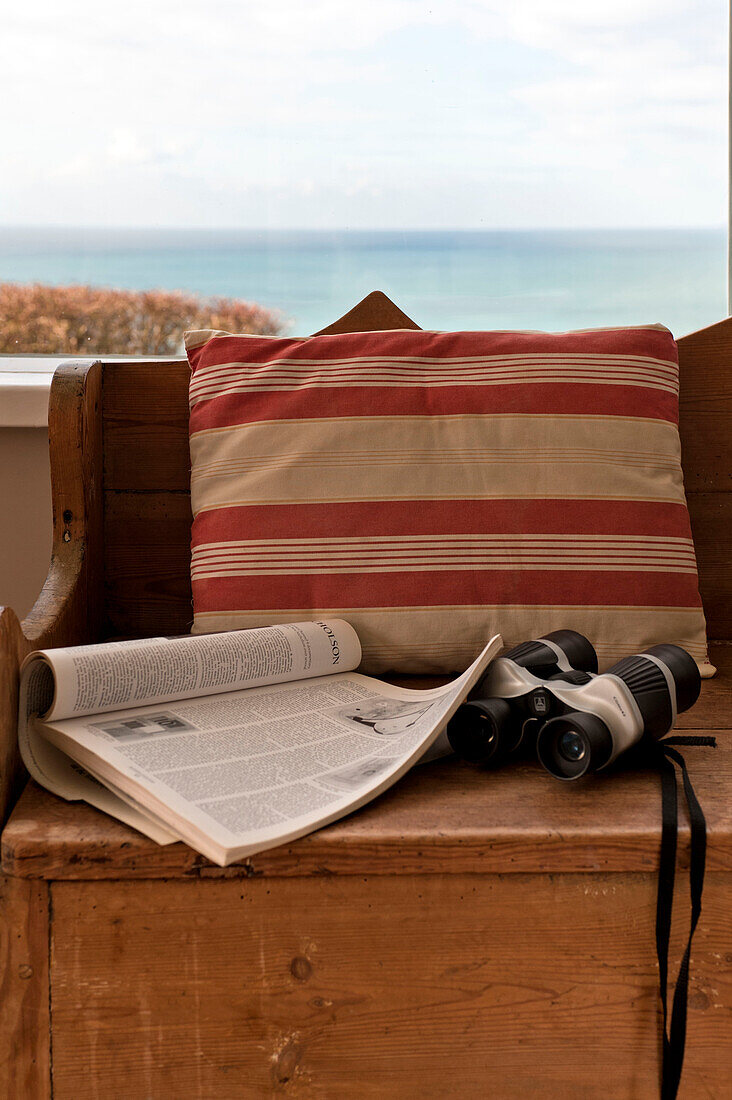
(543, 278)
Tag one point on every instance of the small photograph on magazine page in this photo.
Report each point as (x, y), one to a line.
(384, 716)
(139, 726)
(349, 779)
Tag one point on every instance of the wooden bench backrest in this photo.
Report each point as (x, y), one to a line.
(138, 459)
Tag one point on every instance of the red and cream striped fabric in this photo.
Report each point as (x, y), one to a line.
(435, 488)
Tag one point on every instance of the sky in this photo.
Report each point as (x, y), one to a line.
(352, 114)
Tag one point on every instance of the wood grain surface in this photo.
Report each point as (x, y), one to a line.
(25, 1071)
(378, 987)
(145, 418)
(444, 817)
(711, 522)
(147, 562)
(705, 404)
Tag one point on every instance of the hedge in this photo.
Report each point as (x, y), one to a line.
(74, 320)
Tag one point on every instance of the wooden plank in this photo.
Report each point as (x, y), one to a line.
(25, 1069)
(147, 563)
(711, 524)
(442, 818)
(458, 985)
(145, 413)
(705, 365)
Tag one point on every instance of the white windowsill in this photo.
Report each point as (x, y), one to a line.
(25, 383)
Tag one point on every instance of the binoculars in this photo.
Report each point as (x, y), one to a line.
(547, 695)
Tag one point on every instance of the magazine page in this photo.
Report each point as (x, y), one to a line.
(92, 679)
(150, 824)
(55, 771)
(120, 806)
(78, 680)
(245, 771)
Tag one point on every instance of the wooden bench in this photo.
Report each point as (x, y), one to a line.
(487, 935)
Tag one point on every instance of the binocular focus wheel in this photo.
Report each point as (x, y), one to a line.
(578, 649)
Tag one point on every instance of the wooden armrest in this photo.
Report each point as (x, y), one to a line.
(69, 609)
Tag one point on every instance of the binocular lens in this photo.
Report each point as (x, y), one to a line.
(573, 744)
(477, 729)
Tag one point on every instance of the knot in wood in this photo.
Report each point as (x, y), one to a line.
(286, 1062)
(300, 968)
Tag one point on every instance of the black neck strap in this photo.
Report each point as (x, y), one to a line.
(674, 1038)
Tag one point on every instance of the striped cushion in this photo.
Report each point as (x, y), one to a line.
(434, 488)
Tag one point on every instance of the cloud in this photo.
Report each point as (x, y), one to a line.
(75, 167)
(126, 147)
(462, 96)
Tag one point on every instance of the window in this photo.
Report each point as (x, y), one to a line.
(487, 165)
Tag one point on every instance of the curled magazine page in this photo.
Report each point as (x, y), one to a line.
(94, 679)
(61, 775)
(246, 771)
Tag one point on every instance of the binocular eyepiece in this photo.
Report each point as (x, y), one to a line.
(547, 694)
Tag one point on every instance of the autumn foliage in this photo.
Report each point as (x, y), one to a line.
(73, 320)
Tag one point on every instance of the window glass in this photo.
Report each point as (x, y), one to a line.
(486, 164)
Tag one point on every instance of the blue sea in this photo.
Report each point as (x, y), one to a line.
(538, 279)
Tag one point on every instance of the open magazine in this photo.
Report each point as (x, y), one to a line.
(232, 742)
